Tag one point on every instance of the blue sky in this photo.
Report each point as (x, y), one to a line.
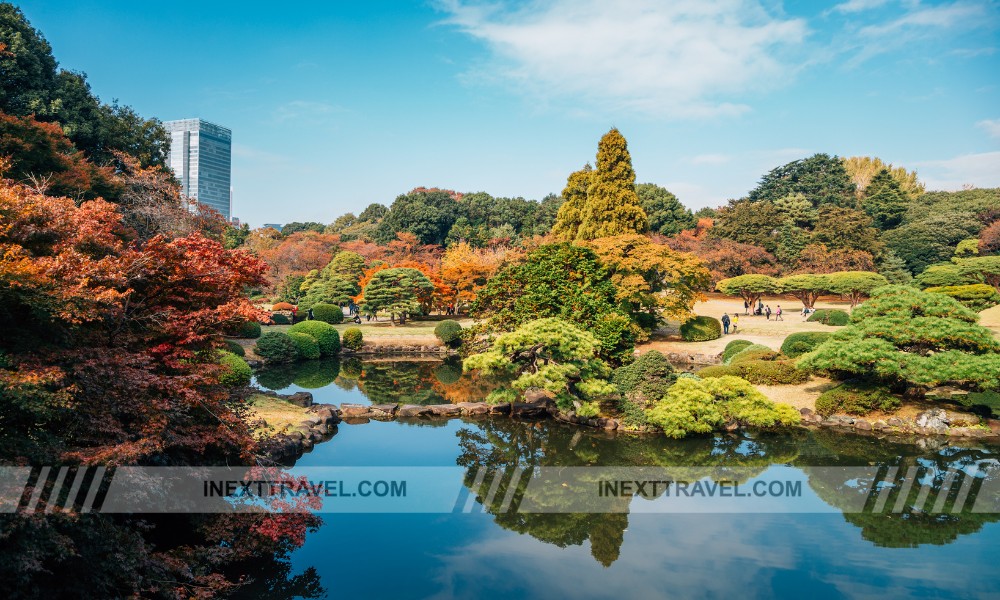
(335, 105)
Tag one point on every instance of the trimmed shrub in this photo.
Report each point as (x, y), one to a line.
(235, 348)
(276, 346)
(282, 306)
(717, 371)
(701, 329)
(324, 334)
(236, 372)
(651, 375)
(760, 372)
(830, 316)
(306, 344)
(733, 347)
(753, 352)
(856, 398)
(977, 296)
(247, 330)
(798, 344)
(328, 313)
(280, 319)
(449, 332)
(353, 339)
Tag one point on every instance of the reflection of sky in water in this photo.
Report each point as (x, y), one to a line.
(663, 555)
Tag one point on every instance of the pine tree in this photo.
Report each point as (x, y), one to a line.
(612, 207)
(885, 201)
(570, 214)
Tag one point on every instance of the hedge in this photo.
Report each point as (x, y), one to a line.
(248, 330)
(280, 319)
(236, 372)
(830, 316)
(324, 334)
(353, 339)
(235, 348)
(760, 372)
(733, 347)
(701, 329)
(856, 398)
(276, 346)
(306, 344)
(798, 344)
(328, 313)
(449, 332)
(753, 352)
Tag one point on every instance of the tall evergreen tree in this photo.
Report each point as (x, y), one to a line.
(666, 214)
(613, 207)
(570, 214)
(885, 201)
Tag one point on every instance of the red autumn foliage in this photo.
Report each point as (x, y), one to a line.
(299, 253)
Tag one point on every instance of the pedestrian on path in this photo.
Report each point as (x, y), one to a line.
(725, 323)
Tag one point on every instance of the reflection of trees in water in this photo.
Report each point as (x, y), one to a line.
(498, 446)
(310, 374)
(922, 488)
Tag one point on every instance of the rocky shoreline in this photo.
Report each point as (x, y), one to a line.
(321, 423)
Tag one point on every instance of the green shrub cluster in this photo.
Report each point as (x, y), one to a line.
(280, 319)
(449, 332)
(306, 344)
(830, 316)
(353, 339)
(978, 296)
(235, 348)
(247, 330)
(236, 372)
(856, 398)
(650, 375)
(588, 410)
(760, 372)
(324, 334)
(701, 329)
(276, 346)
(733, 347)
(328, 313)
(800, 343)
(753, 352)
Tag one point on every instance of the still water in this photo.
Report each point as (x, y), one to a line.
(491, 553)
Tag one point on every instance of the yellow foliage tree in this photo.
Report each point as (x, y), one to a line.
(612, 207)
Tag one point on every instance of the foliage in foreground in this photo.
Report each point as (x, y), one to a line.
(701, 329)
(856, 398)
(550, 354)
(691, 407)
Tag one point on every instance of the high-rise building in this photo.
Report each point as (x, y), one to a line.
(201, 158)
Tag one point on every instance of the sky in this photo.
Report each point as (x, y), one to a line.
(334, 105)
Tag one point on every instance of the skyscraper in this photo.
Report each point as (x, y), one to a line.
(201, 157)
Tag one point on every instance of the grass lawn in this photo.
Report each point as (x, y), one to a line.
(280, 416)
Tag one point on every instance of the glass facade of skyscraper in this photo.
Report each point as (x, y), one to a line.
(201, 158)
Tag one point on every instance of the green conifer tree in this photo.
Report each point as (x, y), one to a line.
(570, 214)
(613, 207)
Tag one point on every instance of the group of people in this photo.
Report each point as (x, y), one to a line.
(761, 309)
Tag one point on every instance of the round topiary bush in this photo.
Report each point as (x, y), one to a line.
(717, 371)
(275, 346)
(247, 330)
(282, 306)
(701, 329)
(449, 332)
(353, 340)
(798, 344)
(280, 319)
(236, 372)
(306, 344)
(235, 348)
(830, 316)
(733, 347)
(324, 334)
(328, 313)
(753, 352)
(856, 398)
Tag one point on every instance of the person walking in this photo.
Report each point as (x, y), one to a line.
(746, 307)
(725, 323)
(760, 306)
(777, 314)
(767, 312)
(736, 323)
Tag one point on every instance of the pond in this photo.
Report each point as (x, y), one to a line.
(486, 548)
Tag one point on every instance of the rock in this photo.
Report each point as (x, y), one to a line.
(805, 411)
(862, 425)
(537, 396)
(384, 410)
(316, 436)
(445, 410)
(894, 422)
(353, 411)
(610, 424)
(322, 428)
(731, 426)
(878, 426)
(295, 436)
(565, 417)
(312, 421)
(473, 408)
(499, 409)
(523, 409)
(356, 420)
(413, 410)
(994, 425)
(933, 419)
(254, 364)
(303, 399)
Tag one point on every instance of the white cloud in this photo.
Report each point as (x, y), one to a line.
(685, 58)
(979, 170)
(990, 126)
(853, 6)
